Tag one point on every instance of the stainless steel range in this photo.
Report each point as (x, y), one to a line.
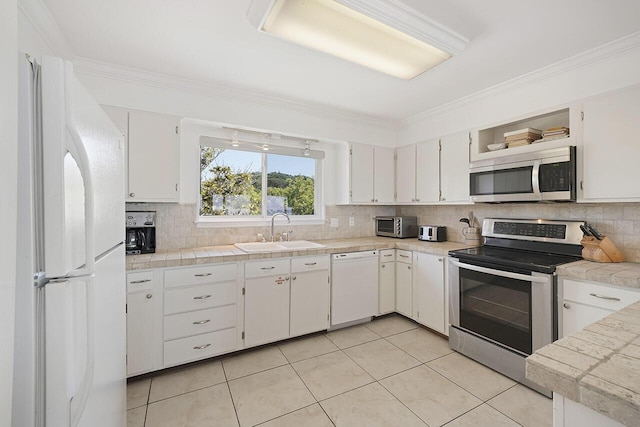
(503, 294)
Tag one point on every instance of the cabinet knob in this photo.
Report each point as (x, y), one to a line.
(566, 305)
(383, 266)
(376, 200)
(293, 277)
(149, 296)
(417, 200)
(373, 200)
(408, 267)
(440, 259)
(132, 194)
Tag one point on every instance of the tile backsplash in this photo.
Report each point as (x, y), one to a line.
(176, 228)
(619, 221)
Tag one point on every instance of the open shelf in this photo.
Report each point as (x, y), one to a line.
(495, 135)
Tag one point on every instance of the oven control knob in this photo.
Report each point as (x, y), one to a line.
(566, 305)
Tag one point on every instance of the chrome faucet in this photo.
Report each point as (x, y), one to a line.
(273, 217)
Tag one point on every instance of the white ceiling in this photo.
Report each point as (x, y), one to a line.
(212, 41)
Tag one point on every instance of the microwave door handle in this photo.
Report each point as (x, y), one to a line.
(507, 274)
(143, 239)
(535, 179)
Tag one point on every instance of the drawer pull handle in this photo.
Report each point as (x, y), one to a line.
(201, 347)
(202, 322)
(267, 268)
(404, 256)
(202, 297)
(605, 297)
(203, 274)
(388, 255)
(310, 263)
(140, 281)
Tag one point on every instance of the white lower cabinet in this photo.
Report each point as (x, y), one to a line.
(200, 312)
(567, 413)
(387, 281)
(266, 302)
(404, 283)
(584, 303)
(144, 322)
(310, 289)
(429, 291)
(285, 297)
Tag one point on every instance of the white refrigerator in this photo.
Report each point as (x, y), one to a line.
(70, 348)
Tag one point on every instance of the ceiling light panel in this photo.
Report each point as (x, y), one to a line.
(330, 27)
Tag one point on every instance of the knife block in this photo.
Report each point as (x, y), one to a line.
(600, 250)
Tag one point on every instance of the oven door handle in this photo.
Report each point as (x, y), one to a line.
(500, 273)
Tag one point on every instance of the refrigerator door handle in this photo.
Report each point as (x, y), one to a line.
(82, 159)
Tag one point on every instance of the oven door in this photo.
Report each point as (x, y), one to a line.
(509, 307)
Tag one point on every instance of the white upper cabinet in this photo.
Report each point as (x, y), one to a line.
(406, 174)
(428, 171)
(454, 168)
(153, 154)
(371, 174)
(610, 147)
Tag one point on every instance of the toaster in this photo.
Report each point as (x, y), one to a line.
(432, 233)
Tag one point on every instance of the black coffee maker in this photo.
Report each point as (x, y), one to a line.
(140, 233)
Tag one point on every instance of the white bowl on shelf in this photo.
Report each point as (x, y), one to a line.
(498, 146)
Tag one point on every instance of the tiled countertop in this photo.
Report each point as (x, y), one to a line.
(598, 366)
(229, 253)
(620, 273)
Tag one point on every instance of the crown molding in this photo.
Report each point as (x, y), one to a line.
(220, 91)
(615, 48)
(42, 20)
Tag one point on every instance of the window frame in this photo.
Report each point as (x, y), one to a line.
(262, 219)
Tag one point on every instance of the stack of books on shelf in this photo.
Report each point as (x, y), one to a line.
(554, 133)
(520, 137)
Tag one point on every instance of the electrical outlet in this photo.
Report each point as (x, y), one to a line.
(334, 222)
(352, 221)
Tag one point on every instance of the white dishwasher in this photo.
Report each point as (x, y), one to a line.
(354, 286)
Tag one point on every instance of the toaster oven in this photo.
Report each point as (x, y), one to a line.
(397, 226)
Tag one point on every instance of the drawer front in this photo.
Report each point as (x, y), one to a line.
(267, 268)
(387, 255)
(403, 256)
(199, 297)
(199, 347)
(608, 297)
(199, 322)
(312, 263)
(139, 281)
(200, 275)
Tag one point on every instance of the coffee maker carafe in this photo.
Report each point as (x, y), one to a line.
(140, 236)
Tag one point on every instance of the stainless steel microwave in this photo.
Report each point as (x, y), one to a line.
(548, 175)
(397, 226)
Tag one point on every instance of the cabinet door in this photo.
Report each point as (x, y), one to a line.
(140, 332)
(610, 147)
(153, 157)
(361, 173)
(384, 175)
(309, 302)
(576, 316)
(429, 286)
(387, 290)
(404, 289)
(428, 171)
(266, 308)
(454, 168)
(406, 174)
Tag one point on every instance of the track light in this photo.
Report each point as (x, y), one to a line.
(307, 149)
(234, 140)
(265, 147)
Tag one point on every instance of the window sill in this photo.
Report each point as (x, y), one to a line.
(254, 222)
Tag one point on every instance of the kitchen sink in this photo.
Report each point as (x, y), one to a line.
(252, 247)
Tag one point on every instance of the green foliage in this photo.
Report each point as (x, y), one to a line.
(298, 191)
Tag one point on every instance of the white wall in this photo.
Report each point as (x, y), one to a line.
(8, 189)
(604, 69)
(163, 98)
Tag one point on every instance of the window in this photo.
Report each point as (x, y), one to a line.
(246, 182)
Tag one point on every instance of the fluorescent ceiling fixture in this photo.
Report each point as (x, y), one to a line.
(399, 41)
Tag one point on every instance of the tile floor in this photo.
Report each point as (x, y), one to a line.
(388, 372)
